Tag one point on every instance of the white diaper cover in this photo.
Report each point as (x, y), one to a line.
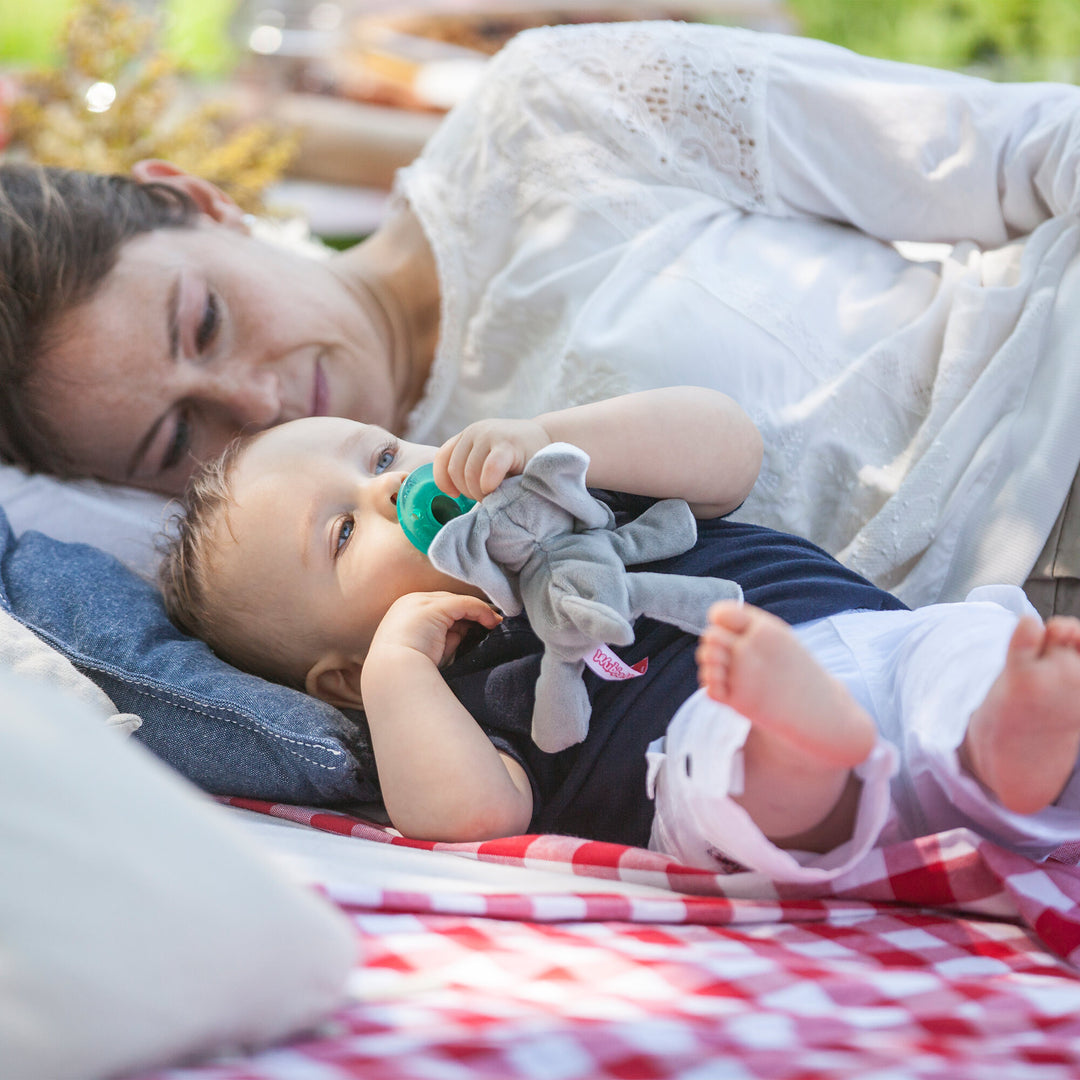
(695, 768)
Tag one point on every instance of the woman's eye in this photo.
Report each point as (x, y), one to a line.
(208, 324)
(179, 444)
(385, 460)
(344, 532)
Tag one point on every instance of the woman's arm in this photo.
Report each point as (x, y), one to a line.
(913, 153)
(684, 442)
(787, 125)
(441, 777)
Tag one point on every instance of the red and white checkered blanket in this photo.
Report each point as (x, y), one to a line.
(944, 958)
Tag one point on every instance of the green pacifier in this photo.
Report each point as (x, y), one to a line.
(423, 508)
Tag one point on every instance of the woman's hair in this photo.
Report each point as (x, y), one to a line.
(60, 234)
(194, 599)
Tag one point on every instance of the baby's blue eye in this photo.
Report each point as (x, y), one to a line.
(386, 459)
(346, 530)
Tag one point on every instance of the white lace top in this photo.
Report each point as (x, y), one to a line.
(632, 205)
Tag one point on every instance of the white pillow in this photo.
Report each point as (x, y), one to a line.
(139, 927)
(122, 521)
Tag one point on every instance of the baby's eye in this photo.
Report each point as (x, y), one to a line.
(385, 459)
(345, 530)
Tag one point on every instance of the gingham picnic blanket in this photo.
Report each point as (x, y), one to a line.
(944, 958)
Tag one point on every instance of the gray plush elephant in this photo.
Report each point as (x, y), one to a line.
(540, 543)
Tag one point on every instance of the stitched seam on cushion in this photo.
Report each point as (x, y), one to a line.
(252, 726)
(193, 705)
(188, 704)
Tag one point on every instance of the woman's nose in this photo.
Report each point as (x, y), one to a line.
(252, 398)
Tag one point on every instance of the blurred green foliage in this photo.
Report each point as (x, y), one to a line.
(1009, 39)
(1004, 39)
(194, 31)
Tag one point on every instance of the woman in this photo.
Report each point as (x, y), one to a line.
(631, 205)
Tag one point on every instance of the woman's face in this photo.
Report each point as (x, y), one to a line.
(199, 333)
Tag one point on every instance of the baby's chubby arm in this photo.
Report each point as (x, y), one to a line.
(682, 442)
(441, 777)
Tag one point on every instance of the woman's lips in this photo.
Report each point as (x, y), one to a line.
(321, 393)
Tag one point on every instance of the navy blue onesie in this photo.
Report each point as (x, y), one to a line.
(596, 789)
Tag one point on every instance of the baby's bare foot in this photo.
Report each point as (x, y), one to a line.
(1022, 741)
(750, 660)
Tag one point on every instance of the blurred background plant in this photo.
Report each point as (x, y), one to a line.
(193, 32)
(110, 93)
(1021, 39)
(1001, 39)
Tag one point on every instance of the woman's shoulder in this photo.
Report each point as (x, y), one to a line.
(566, 44)
(577, 71)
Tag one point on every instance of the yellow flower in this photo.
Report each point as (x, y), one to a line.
(118, 98)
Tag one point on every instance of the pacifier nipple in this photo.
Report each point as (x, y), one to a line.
(423, 508)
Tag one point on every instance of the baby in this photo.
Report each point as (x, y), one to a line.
(290, 562)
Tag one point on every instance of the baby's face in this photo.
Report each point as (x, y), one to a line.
(311, 542)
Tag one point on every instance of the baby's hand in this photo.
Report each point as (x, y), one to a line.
(430, 623)
(475, 462)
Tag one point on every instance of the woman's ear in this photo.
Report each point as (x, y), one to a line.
(209, 198)
(336, 679)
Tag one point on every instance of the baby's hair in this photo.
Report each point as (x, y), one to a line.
(187, 551)
(187, 570)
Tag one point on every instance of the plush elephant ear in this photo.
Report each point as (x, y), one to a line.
(596, 621)
(460, 550)
(664, 529)
(557, 474)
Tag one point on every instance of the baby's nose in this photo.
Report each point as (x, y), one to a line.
(384, 490)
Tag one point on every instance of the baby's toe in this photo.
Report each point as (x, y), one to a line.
(1027, 641)
(1063, 631)
(730, 615)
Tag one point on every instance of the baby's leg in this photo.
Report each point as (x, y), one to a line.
(1022, 741)
(807, 731)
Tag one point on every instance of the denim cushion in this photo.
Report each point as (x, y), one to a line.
(229, 732)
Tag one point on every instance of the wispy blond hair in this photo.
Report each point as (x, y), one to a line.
(188, 577)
